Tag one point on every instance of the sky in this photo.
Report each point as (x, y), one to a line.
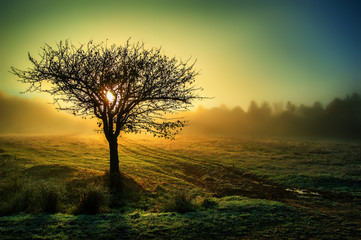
(281, 50)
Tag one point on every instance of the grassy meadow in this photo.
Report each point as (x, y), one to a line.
(55, 187)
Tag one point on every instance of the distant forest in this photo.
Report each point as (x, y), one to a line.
(341, 118)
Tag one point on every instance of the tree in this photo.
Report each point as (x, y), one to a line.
(128, 88)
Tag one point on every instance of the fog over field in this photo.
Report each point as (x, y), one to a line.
(35, 116)
(339, 118)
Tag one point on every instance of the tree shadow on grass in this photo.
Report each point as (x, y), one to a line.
(122, 188)
(100, 193)
(78, 191)
(49, 171)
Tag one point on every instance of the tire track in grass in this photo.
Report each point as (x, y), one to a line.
(162, 158)
(191, 170)
(168, 160)
(340, 210)
(194, 171)
(164, 154)
(160, 165)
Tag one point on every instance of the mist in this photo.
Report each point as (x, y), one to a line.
(341, 118)
(34, 116)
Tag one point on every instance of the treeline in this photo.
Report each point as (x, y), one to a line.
(339, 118)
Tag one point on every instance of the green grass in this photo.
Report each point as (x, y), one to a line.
(233, 220)
(194, 187)
(303, 163)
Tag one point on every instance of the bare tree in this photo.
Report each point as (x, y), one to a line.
(128, 88)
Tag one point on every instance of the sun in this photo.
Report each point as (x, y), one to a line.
(110, 96)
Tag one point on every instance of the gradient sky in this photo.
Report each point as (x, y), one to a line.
(272, 51)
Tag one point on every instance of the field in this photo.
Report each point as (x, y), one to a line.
(193, 187)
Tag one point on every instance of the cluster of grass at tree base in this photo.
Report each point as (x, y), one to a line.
(176, 189)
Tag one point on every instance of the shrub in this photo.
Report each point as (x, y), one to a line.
(50, 198)
(180, 202)
(33, 197)
(22, 201)
(92, 200)
(9, 193)
(208, 203)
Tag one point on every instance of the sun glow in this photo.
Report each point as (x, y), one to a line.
(110, 96)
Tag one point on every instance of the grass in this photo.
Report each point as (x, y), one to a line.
(204, 188)
(241, 219)
(92, 200)
(303, 163)
(180, 202)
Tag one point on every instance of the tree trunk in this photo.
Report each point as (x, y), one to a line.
(114, 159)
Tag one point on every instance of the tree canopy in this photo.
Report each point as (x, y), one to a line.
(128, 88)
(145, 84)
